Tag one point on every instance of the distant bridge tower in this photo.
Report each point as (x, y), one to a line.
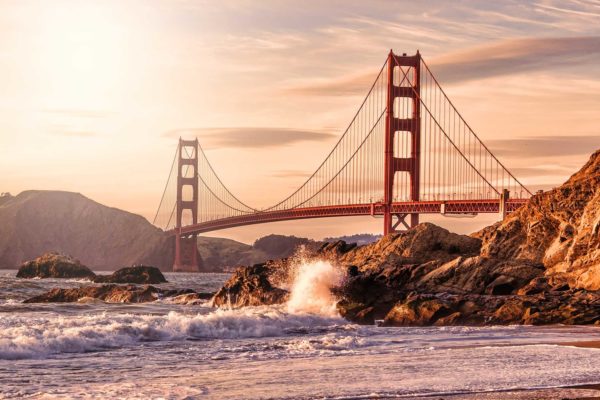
(396, 124)
(186, 251)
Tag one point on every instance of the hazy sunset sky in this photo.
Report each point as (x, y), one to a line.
(95, 94)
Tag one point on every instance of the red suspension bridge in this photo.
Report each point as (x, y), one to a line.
(406, 152)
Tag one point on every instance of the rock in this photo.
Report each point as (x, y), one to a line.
(250, 286)
(424, 243)
(559, 229)
(417, 310)
(191, 298)
(55, 265)
(139, 274)
(112, 293)
(479, 275)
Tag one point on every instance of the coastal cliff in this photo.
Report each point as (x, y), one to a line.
(540, 265)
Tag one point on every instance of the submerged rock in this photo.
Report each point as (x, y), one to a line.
(139, 274)
(112, 293)
(250, 286)
(55, 265)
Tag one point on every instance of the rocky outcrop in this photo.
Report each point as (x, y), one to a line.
(424, 243)
(559, 228)
(118, 294)
(250, 286)
(55, 265)
(139, 274)
(570, 307)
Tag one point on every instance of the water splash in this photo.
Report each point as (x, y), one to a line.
(311, 288)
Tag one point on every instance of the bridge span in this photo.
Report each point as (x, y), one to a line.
(407, 151)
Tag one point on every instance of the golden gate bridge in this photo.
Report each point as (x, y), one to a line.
(406, 152)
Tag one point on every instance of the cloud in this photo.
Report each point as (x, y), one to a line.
(483, 61)
(250, 137)
(545, 146)
(345, 86)
(516, 55)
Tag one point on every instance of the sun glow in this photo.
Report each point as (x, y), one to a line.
(81, 51)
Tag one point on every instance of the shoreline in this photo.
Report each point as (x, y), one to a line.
(588, 391)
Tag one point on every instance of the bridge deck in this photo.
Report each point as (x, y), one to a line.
(449, 207)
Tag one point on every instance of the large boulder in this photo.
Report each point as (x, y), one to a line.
(250, 286)
(117, 294)
(55, 265)
(478, 275)
(139, 274)
(421, 244)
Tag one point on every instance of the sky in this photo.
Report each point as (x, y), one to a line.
(95, 94)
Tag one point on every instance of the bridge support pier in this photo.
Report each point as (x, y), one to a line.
(407, 86)
(504, 196)
(186, 250)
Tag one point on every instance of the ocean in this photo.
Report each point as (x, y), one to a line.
(162, 350)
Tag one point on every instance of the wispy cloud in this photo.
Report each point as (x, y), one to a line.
(545, 146)
(250, 137)
(515, 56)
(345, 86)
(500, 58)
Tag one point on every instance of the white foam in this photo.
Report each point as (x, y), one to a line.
(311, 288)
(26, 337)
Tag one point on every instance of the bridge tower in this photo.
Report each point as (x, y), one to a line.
(186, 251)
(396, 124)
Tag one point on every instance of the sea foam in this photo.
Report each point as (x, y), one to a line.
(311, 288)
(26, 337)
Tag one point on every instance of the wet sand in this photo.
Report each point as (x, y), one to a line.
(587, 392)
(578, 393)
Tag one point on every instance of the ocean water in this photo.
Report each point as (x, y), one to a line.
(300, 350)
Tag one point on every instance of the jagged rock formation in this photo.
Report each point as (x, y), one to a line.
(55, 265)
(250, 286)
(118, 294)
(559, 228)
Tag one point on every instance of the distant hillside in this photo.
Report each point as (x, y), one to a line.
(219, 254)
(37, 221)
(360, 238)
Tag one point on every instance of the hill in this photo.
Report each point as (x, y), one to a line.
(37, 221)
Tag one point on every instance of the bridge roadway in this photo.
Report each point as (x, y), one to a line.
(448, 207)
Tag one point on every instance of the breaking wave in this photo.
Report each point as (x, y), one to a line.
(311, 288)
(26, 337)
